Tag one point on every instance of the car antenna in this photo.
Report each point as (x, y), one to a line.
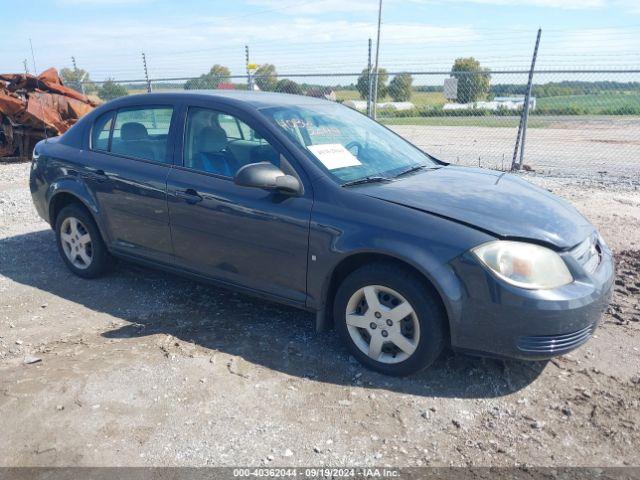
(35, 72)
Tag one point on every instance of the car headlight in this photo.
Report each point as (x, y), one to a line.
(524, 265)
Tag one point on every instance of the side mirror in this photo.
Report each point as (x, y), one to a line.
(267, 176)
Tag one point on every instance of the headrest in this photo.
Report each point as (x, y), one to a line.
(133, 131)
(211, 139)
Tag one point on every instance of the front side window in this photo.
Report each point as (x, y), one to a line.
(219, 143)
(142, 133)
(348, 144)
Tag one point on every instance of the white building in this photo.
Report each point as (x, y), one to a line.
(508, 103)
(362, 105)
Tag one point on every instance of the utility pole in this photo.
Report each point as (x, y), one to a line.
(146, 72)
(375, 78)
(516, 164)
(26, 67)
(369, 82)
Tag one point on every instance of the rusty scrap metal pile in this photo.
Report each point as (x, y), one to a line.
(34, 107)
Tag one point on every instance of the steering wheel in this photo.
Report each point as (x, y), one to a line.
(354, 144)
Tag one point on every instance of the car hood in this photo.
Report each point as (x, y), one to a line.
(498, 203)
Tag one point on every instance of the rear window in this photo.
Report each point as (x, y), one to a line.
(140, 132)
(101, 131)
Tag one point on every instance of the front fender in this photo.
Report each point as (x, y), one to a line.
(440, 275)
(432, 263)
(342, 228)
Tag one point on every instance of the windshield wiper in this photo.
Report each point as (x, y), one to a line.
(370, 179)
(415, 168)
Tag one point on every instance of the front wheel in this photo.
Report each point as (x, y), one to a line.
(390, 319)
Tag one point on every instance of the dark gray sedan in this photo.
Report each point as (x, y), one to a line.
(309, 203)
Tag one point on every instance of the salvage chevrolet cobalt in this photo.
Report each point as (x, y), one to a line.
(309, 203)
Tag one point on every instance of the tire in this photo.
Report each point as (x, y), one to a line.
(77, 232)
(423, 327)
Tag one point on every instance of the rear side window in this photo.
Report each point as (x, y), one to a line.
(230, 125)
(101, 131)
(140, 132)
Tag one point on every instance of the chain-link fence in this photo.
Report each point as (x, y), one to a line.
(583, 123)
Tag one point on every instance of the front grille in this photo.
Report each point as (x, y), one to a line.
(588, 253)
(555, 343)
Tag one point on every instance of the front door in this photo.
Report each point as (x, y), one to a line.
(244, 236)
(128, 168)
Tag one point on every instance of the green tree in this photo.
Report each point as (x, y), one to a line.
(216, 75)
(362, 84)
(266, 77)
(400, 87)
(474, 81)
(219, 73)
(110, 90)
(72, 78)
(288, 86)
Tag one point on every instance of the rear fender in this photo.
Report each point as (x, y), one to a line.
(78, 189)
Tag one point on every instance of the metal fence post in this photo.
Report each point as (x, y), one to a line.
(376, 73)
(78, 79)
(516, 164)
(146, 72)
(246, 58)
(33, 58)
(370, 82)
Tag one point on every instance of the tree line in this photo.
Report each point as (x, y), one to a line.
(473, 84)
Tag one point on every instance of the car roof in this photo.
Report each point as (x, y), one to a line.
(255, 99)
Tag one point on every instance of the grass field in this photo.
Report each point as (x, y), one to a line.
(593, 103)
(484, 121)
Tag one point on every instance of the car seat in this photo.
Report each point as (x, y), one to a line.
(134, 141)
(211, 154)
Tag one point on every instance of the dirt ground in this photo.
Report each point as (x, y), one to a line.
(143, 368)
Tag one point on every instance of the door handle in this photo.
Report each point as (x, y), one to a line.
(99, 175)
(189, 195)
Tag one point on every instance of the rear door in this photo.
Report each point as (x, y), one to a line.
(244, 236)
(130, 161)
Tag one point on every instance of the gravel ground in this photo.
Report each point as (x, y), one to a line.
(143, 368)
(568, 146)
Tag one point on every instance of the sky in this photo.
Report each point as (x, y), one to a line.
(184, 38)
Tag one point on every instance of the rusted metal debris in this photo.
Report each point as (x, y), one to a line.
(32, 108)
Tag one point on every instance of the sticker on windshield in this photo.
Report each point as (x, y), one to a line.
(334, 155)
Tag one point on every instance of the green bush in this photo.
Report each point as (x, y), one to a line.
(110, 90)
(622, 110)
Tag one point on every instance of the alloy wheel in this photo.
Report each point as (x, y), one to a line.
(76, 243)
(382, 324)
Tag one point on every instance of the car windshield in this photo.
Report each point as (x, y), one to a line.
(348, 144)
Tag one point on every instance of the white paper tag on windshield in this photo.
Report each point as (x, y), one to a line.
(334, 155)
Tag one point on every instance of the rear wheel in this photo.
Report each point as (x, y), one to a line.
(390, 319)
(80, 243)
